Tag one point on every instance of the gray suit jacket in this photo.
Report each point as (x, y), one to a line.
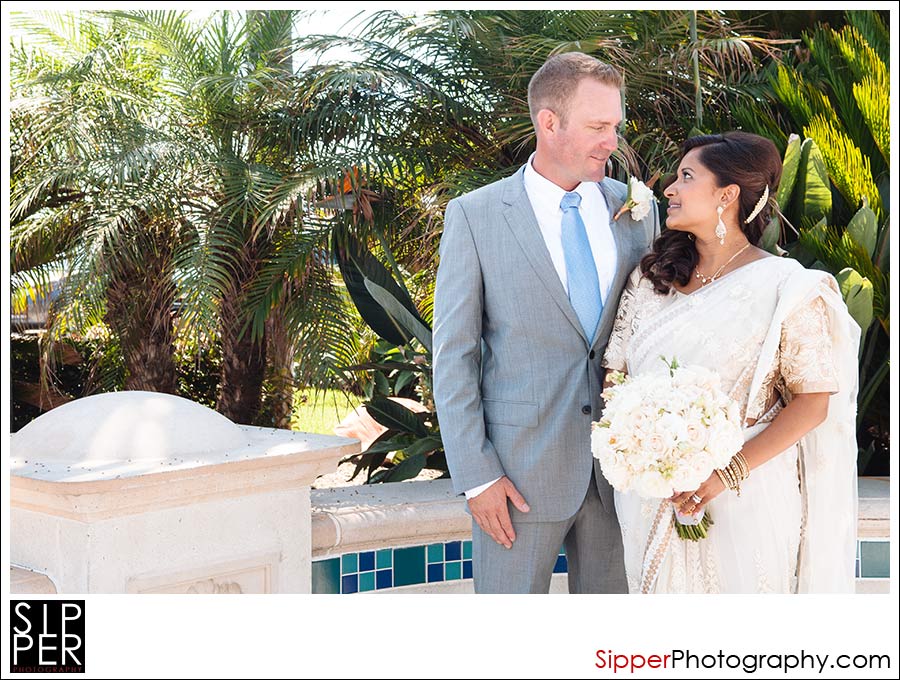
(516, 382)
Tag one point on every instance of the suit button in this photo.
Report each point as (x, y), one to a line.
(586, 410)
(591, 355)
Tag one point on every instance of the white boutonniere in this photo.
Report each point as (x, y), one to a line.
(639, 199)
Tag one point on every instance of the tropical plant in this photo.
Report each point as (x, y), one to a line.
(434, 106)
(403, 362)
(180, 186)
(856, 253)
(91, 174)
(834, 190)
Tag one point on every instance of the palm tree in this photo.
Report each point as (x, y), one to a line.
(435, 106)
(251, 275)
(91, 171)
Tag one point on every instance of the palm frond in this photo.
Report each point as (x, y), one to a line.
(848, 167)
(873, 30)
(838, 250)
(874, 105)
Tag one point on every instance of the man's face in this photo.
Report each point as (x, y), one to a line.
(584, 142)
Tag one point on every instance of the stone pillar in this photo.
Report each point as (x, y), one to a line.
(148, 492)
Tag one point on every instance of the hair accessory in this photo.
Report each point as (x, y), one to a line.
(760, 204)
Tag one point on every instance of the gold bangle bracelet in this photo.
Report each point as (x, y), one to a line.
(722, 477)
(743, 463)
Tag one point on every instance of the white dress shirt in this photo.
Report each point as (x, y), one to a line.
(545, 197)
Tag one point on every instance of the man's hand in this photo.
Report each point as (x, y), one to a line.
(490, 510)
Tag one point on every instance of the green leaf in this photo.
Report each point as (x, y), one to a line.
(410, 322)
(863, 228)
(360, 270)
(882, 250)
(769, 239)
(813, 192)
(789, 170)
(403, 379)
(426, 445)
(409, 468)
(395, 416)
(388, 443)
(374, 456)
(382, 384)
(863, 457)
(387, 365)
(384, 445)
(858, 295)
(380, 476)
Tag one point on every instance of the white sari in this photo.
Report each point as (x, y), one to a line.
(771, 329)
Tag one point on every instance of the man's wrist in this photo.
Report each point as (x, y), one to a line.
(472, 493)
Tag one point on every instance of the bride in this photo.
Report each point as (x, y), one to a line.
(780, 337)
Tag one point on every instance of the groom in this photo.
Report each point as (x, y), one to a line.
(530, 275)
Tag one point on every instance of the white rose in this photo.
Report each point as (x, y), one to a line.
(641, 198)
(671, 428)
(697, 435)
(723, 444)
(654, 445)
(654, 485)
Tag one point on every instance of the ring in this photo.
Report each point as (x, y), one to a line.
(696, 498)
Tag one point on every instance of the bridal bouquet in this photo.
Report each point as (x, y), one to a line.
(663, 433)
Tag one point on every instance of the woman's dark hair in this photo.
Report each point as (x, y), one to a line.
(750, 161)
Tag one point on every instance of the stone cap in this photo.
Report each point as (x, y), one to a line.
(121, 435)
(128, 452)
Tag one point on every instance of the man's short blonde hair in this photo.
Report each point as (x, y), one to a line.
(554, 83)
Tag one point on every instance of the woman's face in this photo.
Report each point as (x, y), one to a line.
(694, 197)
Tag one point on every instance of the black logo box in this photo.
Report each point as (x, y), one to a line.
(46, 636)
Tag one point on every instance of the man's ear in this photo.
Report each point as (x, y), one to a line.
(547, 122)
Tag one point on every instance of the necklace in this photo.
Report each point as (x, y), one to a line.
(704, 280)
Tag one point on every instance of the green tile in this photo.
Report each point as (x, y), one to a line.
(409, 565)
(383, 559)
(467, 550)
(876, 559)
(350, 563)
(326, 576)
(453, 571)
(366, 581)
(435, 553)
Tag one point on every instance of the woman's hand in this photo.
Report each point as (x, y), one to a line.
(687, 502)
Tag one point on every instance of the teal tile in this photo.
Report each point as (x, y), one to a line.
(453, 571)
(467, 550)
(875, 558)
(350, 563)
(326, 576)
(435, 553)
(367, 581)
(383, 559)
(409, 565)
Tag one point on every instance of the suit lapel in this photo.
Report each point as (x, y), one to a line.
(623, 231)
(523, 224)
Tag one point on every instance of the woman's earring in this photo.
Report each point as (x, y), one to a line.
(721, 230)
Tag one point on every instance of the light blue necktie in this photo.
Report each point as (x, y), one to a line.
(581, 270)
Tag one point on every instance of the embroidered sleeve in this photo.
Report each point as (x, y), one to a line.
(806, 353)
(623, 327)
